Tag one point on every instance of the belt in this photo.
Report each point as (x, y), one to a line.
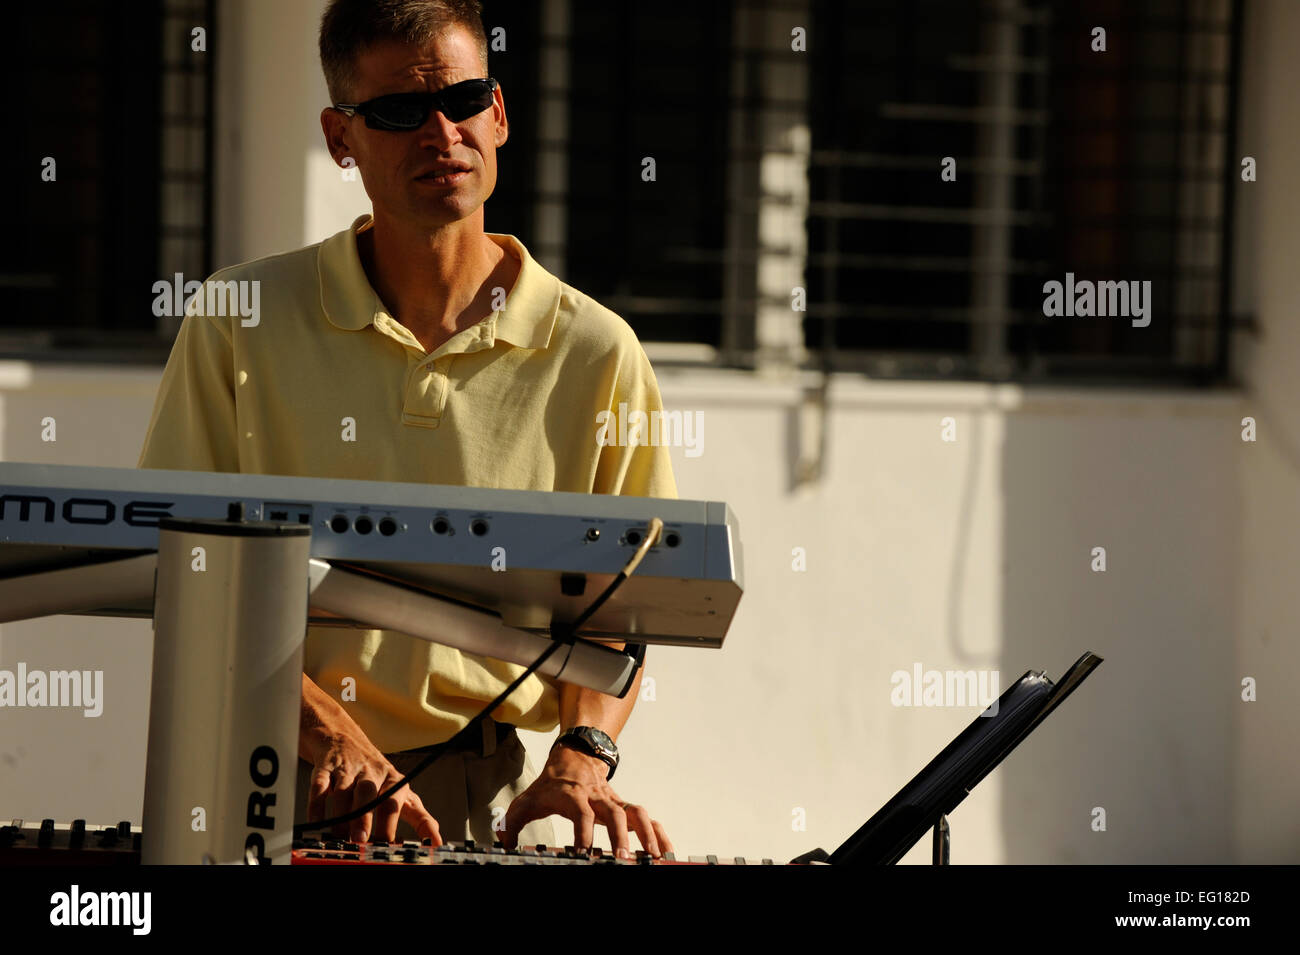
(476, 743)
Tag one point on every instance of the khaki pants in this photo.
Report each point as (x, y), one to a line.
(461, 789)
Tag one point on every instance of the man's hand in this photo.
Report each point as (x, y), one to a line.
(574, 785)
(351, 769)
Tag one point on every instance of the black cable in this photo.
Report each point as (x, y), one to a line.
(568, 634)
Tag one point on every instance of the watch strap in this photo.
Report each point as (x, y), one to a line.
(580, 736)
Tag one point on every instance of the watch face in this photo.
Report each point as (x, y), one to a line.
(601, 739)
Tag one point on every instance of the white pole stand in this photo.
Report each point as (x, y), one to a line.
(230, 617)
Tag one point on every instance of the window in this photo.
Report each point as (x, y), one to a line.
(1110, 166)
(640, 83)
(124, 113)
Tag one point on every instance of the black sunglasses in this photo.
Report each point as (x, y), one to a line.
(408, 111)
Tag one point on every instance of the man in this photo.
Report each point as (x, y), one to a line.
(415, 347)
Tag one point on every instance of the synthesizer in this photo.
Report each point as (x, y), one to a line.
(53, 843)
(323, 851)
(531, 557)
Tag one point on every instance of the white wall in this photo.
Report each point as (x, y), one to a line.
(58, 763)
(1264, 773)
(967, 555)
(278, 187)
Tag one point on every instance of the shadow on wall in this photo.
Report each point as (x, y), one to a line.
(1134, 767)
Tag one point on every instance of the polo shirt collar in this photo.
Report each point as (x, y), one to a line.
(526, 320)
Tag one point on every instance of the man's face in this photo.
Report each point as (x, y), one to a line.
(393, 164)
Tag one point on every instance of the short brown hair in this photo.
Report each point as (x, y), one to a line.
(349, 27)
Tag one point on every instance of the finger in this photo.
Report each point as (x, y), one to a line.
(404, 804)
(387, 815)
(365, 790)
(664, 842)
(389, 811)
(615, 820)
(519, 814)
(340, 780)
(584, 824)
(316, 793)
(643, 826)
(425, 826)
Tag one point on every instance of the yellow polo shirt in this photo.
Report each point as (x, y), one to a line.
(510, 402)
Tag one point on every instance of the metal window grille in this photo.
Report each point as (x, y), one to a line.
(1114, 166)
(641, 83)
(103, 91)
(185, 175)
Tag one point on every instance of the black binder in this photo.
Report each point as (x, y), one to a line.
(948, 778)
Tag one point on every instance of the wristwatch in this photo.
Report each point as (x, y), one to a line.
(594, 742)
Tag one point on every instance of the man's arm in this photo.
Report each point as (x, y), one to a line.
(575, 784)
(580, 706)
(345, 762)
